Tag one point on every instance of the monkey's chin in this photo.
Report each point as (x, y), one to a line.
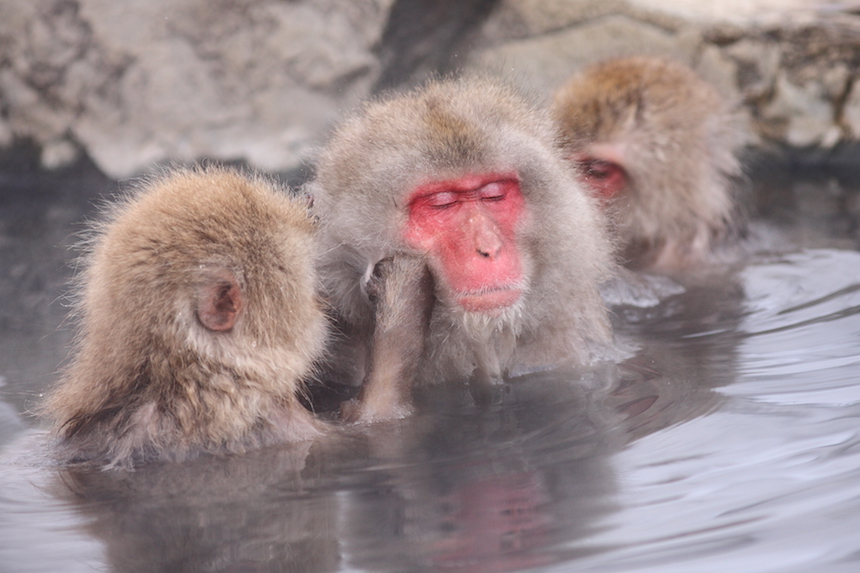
(490, 303)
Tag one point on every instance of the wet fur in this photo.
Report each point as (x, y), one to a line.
(400, 290)
(147, 380)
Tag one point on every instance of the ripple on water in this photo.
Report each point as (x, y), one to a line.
(771, 480)
(740, 452)
(802, 342)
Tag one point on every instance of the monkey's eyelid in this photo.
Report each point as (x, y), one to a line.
(494, 197)
(492, 194)
(442, 199)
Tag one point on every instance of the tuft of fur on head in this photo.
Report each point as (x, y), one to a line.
(148, 380)
(678, 138)
(445, 130)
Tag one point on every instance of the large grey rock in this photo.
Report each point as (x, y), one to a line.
(541, 43)
(790, 63)
(140, 82)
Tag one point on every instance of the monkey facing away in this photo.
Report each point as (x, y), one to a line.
(461, 175)
(199, 317)
(656, 143)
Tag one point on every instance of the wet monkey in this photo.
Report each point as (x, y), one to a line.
(460, 175)
(656, 143)
(198, 321)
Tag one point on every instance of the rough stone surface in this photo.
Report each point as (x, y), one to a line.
(139, 82)
(136, 83)
(546, 60)
(801, 115)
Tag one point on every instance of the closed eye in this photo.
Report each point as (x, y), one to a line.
(599, 169)
(442, 200)
(493, 191)
(492, 197)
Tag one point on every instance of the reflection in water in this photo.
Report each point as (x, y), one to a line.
(491, 489)
(248, 513)
(770, 481)
(728, 440)
(472, 490)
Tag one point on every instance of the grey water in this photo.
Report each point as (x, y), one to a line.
(728, 440)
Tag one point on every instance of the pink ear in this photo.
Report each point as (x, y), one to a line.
(219, 300)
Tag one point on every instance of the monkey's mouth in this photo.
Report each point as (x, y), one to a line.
(490, 300)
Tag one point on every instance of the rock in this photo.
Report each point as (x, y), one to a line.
(176, 80)
(517, 19)
(757, 65)
(801, 115)
(746, 13)
(851, 111)
(546, 61)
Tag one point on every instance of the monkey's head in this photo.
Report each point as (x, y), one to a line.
(459, 172)
(199, 319)
(654, 142)
(208, 263)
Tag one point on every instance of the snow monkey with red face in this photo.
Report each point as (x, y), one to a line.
(461, 176)
(656, 144)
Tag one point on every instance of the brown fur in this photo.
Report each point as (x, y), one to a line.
(446, 130)
(148, 379)
(677, 137)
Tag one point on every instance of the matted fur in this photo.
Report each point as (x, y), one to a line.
(147, 380)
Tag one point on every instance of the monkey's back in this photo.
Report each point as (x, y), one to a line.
(147, 379)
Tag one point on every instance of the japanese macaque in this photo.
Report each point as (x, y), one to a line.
(463, 176)
(199, 317)
(656, 144)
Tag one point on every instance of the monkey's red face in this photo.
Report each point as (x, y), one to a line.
(468, 228)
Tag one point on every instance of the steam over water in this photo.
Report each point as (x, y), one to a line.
(729, 440)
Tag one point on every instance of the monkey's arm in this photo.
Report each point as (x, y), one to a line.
(401, 291)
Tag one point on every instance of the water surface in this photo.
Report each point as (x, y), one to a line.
(727, 441)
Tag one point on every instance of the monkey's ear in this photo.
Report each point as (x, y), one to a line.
(219, 300)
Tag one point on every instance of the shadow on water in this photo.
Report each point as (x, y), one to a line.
(728, 429)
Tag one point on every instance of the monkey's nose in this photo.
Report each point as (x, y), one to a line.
(489, 250)
(486, 238)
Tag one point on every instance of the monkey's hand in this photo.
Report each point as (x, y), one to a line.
(401, 291)
(374, 280)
